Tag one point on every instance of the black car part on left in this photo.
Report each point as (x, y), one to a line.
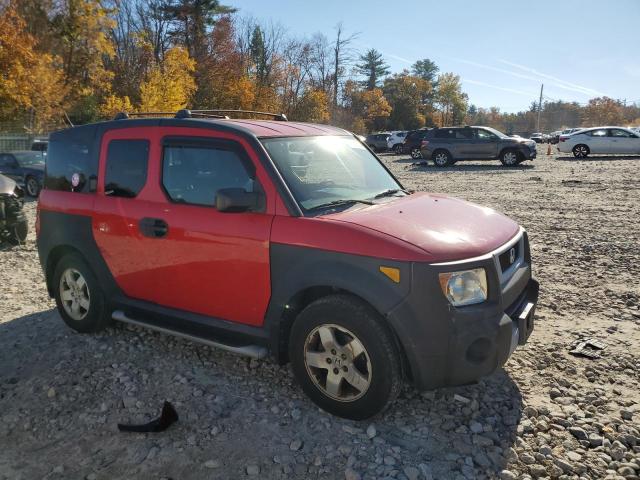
(13, 221)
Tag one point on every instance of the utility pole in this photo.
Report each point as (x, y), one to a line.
(539, 107)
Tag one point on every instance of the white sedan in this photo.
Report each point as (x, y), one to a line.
(615, 140)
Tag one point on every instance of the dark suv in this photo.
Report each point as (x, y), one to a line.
(445, 146)
(290, 239)
(413, 141)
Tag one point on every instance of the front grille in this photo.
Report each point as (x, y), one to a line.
(509, 257)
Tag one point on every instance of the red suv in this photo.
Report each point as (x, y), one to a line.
(290, 239)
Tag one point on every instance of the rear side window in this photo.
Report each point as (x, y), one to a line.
(126, 169)
(71, 163)
(598, 133)
(193, 173)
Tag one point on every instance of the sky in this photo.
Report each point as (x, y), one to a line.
(503, 50)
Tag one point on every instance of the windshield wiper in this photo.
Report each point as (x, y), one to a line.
(391, 191)
(338, 203)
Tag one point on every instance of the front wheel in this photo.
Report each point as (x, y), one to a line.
(415, 153)
(78, 295)
(344, 358)
(510, 158)
(398, 149)
(580, 151)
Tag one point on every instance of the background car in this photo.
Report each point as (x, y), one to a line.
(40, 146)
(412, 141)
(377, 141)
(25, 168)
(568, 131)
(395, 141)
(601, 140)
(445, 146)
(554, 137)
(536, 137)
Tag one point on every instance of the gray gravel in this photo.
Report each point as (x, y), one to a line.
(546, 415)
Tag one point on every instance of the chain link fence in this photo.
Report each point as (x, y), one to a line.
(20, 134)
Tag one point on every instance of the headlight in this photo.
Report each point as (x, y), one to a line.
(464, 288)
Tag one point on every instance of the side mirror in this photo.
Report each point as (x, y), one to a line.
(234, 200)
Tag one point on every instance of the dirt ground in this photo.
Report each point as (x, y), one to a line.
(547, 414)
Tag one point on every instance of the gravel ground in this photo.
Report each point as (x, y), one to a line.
(546, 414)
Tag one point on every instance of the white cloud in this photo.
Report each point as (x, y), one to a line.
(497, 87)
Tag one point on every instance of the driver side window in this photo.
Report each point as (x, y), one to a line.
(484, 135)
(616, 132)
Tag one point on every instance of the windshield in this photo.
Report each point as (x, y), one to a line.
(29, 158)
(321, 170)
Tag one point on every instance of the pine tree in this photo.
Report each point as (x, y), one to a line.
(373, 67)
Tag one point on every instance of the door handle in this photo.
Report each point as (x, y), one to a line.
(153, 227)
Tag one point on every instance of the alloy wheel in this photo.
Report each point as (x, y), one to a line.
(32, 187)
(337, 362)
(580, 151)
(74, 294)
(415, 153)
(510, 158)
(441, 159)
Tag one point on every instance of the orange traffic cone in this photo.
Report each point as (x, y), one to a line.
(549, 149)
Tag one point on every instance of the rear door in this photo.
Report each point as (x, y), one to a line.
(168, 244)
(598, 141)
(623, 141)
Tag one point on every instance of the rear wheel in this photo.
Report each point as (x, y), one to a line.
(510, 158)
(415, 153)
(78, 295)
(442, 158)
(344, 358)
(398, 148)
(19, 232)
(581, 151)
(32, 187)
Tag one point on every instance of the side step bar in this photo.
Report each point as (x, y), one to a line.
(254, 351)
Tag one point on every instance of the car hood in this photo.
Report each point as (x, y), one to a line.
(446, 228)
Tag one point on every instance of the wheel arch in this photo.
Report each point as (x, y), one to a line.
(54, 257)
(507, 148)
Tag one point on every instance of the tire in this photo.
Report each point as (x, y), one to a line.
(510, 157)
(398, 148)
(91, 314)
(416, 153)
(19, 232)
(32, 187)
(343, 320)
(581, 151)
(442, 158)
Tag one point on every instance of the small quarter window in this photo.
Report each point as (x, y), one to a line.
(194, 173)
(126, 169)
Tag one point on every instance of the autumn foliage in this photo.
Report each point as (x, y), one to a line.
(87, 60)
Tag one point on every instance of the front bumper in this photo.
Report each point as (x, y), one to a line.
(447, 346)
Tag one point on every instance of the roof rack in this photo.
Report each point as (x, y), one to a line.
(186, 113)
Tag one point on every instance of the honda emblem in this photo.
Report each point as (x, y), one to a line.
(512, 256)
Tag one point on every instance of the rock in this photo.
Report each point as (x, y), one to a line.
(527, 459)
(626, 414)
(578, 432)
(59, 469)
(91, 476)
(530, 412)
(389, 460)
(508, 475)
(212, 464)
(371, 431)
(476, 427)
(51, 392)
(537, 470)
(350, 474)
(412, 473)
(574, 456)
(295, 445)
(296, 414)
(564, 465)
(129, 402)
(595, 440)
(461, 399)
(253, 470)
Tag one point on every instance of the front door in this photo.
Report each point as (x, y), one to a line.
(623, 141)
(171, 246)
(9, 167)
(485, 144)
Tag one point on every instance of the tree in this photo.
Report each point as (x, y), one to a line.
(405, 94)
(30, 81)
(603, 111)
(169, 86)
(113, 105)
(373, 67)
(341, 57)
(449, 96)
(425, 69)
(312, 107)
(369, 105)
